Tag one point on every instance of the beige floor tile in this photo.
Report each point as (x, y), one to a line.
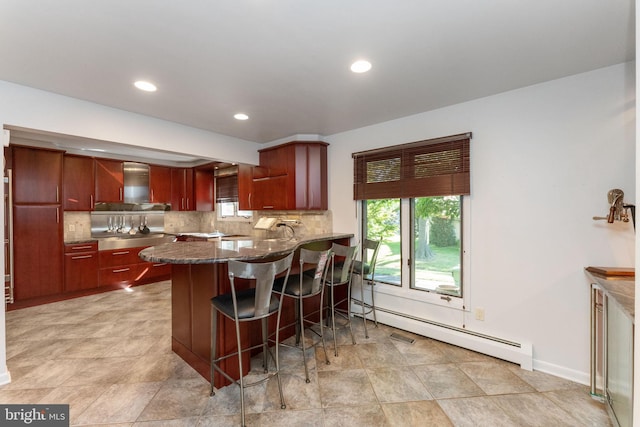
(120, 403)
(376, 355)
(399, 384)
(533, 409)
(345, 388)
(543, 382)
(177, 399)
(475, 412)
(495, 378)
(356, 416)
(446, 381)
(77, 397)
(579, 403)
(422, 352)
(416, 414)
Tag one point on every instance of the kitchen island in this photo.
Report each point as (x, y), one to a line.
(199, 272)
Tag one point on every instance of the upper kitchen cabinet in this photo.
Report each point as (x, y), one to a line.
(245, 188)
(78, 183)
(37, 175)
(204, 188)
(182, 189)
(299, 170)
(159, 184)
(109, 181)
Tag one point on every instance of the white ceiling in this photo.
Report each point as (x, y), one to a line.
(286, 62)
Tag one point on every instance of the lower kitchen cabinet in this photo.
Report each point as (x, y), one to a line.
(80, 266)
(123, 267)
(619, 361)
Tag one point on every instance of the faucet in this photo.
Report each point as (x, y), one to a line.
(287, 227)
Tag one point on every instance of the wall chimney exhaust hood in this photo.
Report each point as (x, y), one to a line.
(136, 182)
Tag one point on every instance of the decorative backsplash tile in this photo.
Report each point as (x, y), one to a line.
(77, 225)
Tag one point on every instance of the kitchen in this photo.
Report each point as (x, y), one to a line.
(531, 238)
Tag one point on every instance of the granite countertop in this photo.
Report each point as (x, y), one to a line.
(207, 252)
(618, 285)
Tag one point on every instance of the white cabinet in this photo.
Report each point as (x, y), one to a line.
(618, 355)
(612, 326)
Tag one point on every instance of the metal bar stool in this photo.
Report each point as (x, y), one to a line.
(340, 273)
(256, 303)
(366, 269)
(307, 284)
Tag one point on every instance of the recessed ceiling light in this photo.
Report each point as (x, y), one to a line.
(241, 116)
(146, 86)
(361, 66)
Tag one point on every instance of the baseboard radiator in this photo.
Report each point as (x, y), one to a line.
(519, 353)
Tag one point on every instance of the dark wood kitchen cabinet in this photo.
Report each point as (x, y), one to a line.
(37, 222)
(37, 175)
(109, 175)
(78, 183)
(245, 187)
(159, 184)
(204, 189)
(80, 266)
(37, 250)
(120, 267)
(299, 170)
(182, 189)
(270, 192)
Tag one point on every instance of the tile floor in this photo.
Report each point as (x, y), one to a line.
(109, 357)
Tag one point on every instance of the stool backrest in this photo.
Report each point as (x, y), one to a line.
(321, 261)
(264, 274)
(370, 250)
(349, 253)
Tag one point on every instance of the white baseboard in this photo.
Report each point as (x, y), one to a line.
(562, 372)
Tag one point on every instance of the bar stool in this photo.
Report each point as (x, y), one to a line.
(256, 303)
(340, 273)
(302, 286)
(366, 269)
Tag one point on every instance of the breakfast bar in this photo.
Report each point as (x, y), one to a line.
(199, 272)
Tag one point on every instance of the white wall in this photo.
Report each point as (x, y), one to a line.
(30, 108)
(543, 160)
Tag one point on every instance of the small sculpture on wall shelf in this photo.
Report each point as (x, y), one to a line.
(618, 209)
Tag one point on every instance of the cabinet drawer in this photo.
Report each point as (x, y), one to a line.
(80, 271)
(119, 257)
(70, 248)
(119, 275)
(150, 272)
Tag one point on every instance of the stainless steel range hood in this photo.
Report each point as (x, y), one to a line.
(136, 182)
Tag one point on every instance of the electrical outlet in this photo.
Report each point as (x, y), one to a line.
(72, 227)
(479, 313)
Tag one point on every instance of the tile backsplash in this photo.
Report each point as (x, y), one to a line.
(77, 225)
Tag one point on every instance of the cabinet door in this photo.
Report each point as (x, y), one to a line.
(204, 193)
(159, 184)
(37, 175)
(270, 193)
(80, 271)
(78, 183)
(38, 252)
(245, 187)
(181, 189)
(316, 181)
(619, 381)
(109, 181)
